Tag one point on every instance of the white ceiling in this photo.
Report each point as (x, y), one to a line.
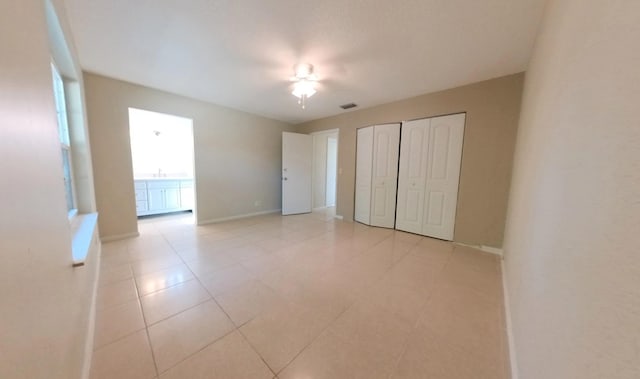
(240, 53)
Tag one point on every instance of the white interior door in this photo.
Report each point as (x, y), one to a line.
(443, 174)
(412, 175)
(332, 168)
(364, 165)
(386, 145)
(297, 157)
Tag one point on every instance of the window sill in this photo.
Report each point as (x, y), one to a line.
(83, 227)
(72, 213)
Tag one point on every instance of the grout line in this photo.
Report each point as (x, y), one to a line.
(146, 328)
(234, 329)
(307, 236)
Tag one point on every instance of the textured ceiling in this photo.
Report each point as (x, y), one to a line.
(240, 53)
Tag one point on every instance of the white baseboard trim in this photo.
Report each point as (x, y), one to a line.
(486, 249)
(513, 363)
(118, 237)
(91, 325)
(230, 218)
(339, 217)
(319, 208)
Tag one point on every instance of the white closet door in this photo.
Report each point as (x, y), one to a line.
(443, 174)
(386, 145)
(364, 164)
(412, 175)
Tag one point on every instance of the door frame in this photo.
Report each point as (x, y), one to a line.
(316, 135)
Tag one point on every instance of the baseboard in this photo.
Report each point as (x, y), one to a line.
(486, 249)
(492, 250)
(246, 215)
(513, 363)
(339, 217)
(118, 237)
(88, 348)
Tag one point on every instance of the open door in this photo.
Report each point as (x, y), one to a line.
(297, 157)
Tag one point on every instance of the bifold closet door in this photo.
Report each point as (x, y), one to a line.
(377, 174)
(364, 168)
(412, 175)
(386, 148)
(428, 190)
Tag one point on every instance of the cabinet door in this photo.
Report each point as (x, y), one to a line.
(386, 146)
(156, 199)
(443, 173)
(364, 164)
(187, 197)
(172, 198)
(412, 175)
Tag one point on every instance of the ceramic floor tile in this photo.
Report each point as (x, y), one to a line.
(331, 357)
(247, 301)
(208, 263)
(245, 252)
(430, 356)
(163, 279)
(404, 302)
(164, 303)
(112, 274)
(226, 279)
(303, 296)
(116, 293)
(115, 259)
(264, 264)
(127, 358)
(486, 282)
(280, 334)
(150, 265)
(374, 330)
(177, 337)
(229, 357)
(116, 322)
(480, 335)
(149, 252)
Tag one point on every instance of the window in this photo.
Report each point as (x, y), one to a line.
(63, 134)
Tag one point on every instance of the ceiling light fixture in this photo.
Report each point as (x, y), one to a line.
(304, 82)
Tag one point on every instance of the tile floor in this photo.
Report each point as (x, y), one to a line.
(295, 297)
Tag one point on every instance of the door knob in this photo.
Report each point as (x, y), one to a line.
(284, 178)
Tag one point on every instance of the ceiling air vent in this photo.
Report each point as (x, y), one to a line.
(348, 106)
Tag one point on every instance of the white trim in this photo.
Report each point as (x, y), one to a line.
(88, 347)
(119, 237)
(83, 227)
(486, 249)
(492, 250)
(319, 209)
(339, 217)
(230, 218)
(507, 315)
(326, 131)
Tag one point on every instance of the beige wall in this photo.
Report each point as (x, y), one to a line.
(492, 108)
(237, 155)
(44, 302)
(572, 241)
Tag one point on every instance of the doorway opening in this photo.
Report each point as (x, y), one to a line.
(163, 164)
(325, 168)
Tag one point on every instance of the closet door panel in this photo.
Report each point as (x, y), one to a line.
(443, 174)
(386, 141)
(364, 166)
(412, 175)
